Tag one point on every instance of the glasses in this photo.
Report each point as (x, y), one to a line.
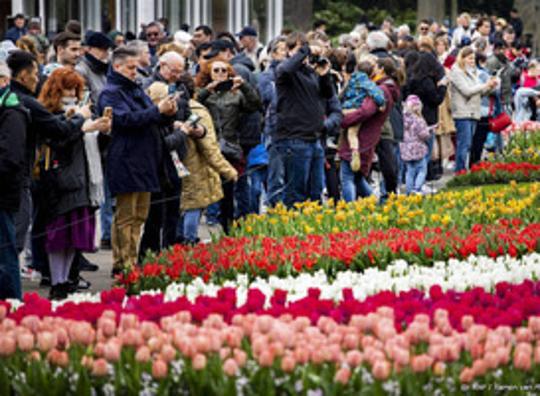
(424, 29)
(152, 34)
(219, 70)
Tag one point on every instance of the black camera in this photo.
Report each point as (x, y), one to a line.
(318, 60)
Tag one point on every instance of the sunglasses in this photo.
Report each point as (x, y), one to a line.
(424, 29)
(219, 70)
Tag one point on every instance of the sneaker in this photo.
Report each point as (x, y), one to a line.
(87, 266)
(79, 284)
(58, 292)
(26, 272)
(426, 189)
(45, 281)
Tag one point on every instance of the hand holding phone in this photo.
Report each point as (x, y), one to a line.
(108, 112)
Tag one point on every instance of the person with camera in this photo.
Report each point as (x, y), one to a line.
(134, 153)
(66, 170)
(303, 85)
(205, 162)
(228, 97)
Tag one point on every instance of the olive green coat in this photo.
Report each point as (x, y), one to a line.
(205, 164)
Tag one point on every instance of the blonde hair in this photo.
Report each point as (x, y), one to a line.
(463, 53)
(157, 91)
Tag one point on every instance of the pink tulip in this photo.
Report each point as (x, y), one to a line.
(100, 368)
(149, 329)
(34, 356)
(491, 359)
(240, 357)
(31, 322)
(277, 348)
(466, 376)
(159, 369)
(524, 334)
(202, 343)
(386, 312)
(301, 354)
(317, 356)
(46, 341)
(8, 346)
(234, 337)
(3, 312)
(522, 361)
(58, 358)
(421, 363)
(421, 318)
(266, 358)
(263, 324)
(534, 324)
(354, 358)
(25, 342)
(359, 322)
(381, 370)
(143, 354)
(479, 367)
(402, 356)
(87, 362)
(537, 355)
(199, 362)
(230, 368)
(111, 351)
(466, 322)
(503, 355)
(288, 364)
(107, 326)
(439, 368)
(128, 321)
(168, 353)
(224, 353)
(343, 375)
(477, 350)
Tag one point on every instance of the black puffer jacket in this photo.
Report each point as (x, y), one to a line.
(65, 182)
(431, 95)
(13, 124)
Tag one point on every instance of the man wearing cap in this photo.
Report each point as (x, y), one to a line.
(94, 65)
(13, 122)
(250, 44)
(18, 30)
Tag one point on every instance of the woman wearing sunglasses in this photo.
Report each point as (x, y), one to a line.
(227, 97)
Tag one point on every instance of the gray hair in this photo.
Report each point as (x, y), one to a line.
(137, 45)
(4, 70)
(405, 29)
(377, 40)
(171, 56)
(121, 54)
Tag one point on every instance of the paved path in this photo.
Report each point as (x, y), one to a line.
(101, 280)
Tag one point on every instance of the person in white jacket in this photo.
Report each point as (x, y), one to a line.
(466, 92)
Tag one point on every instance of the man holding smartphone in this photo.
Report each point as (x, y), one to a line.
(134, 153)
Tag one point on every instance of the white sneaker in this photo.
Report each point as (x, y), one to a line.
(426, 189)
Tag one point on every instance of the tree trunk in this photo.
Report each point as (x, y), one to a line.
(529, 10)
(298, 13)
(435, 9)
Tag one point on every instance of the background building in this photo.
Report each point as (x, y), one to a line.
(128, 15)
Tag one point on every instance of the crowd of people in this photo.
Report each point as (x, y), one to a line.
(156, 130)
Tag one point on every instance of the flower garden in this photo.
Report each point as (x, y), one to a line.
(434, 294)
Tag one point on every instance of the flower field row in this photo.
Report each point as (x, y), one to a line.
(448, 209)
(265, 355)
(290, 256)
(497, 172)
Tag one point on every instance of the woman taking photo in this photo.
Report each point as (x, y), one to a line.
(227, 97)
(65, 170)
(466, 93)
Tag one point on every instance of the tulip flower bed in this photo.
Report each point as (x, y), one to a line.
(496, 172)
(409, 343)
(457, 209)
(333, 253)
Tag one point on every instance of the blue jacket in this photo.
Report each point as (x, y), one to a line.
(14, 34)
(135, 150)
(267, 90)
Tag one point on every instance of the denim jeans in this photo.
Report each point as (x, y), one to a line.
(242, 204)
(415, 175)
(353, 184)
(276, 175)
(190, 224)
(424, 171)
(257, 181)
(106, 213)
(23, 218)
(10, 276)
(464, 134)
(304, 170)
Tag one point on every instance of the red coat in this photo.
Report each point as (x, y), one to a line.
(371, 121)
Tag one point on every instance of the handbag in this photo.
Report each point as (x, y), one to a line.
(231, 151)
(499, 122)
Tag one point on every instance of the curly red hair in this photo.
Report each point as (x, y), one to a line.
(204, 76)
(61, 79)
